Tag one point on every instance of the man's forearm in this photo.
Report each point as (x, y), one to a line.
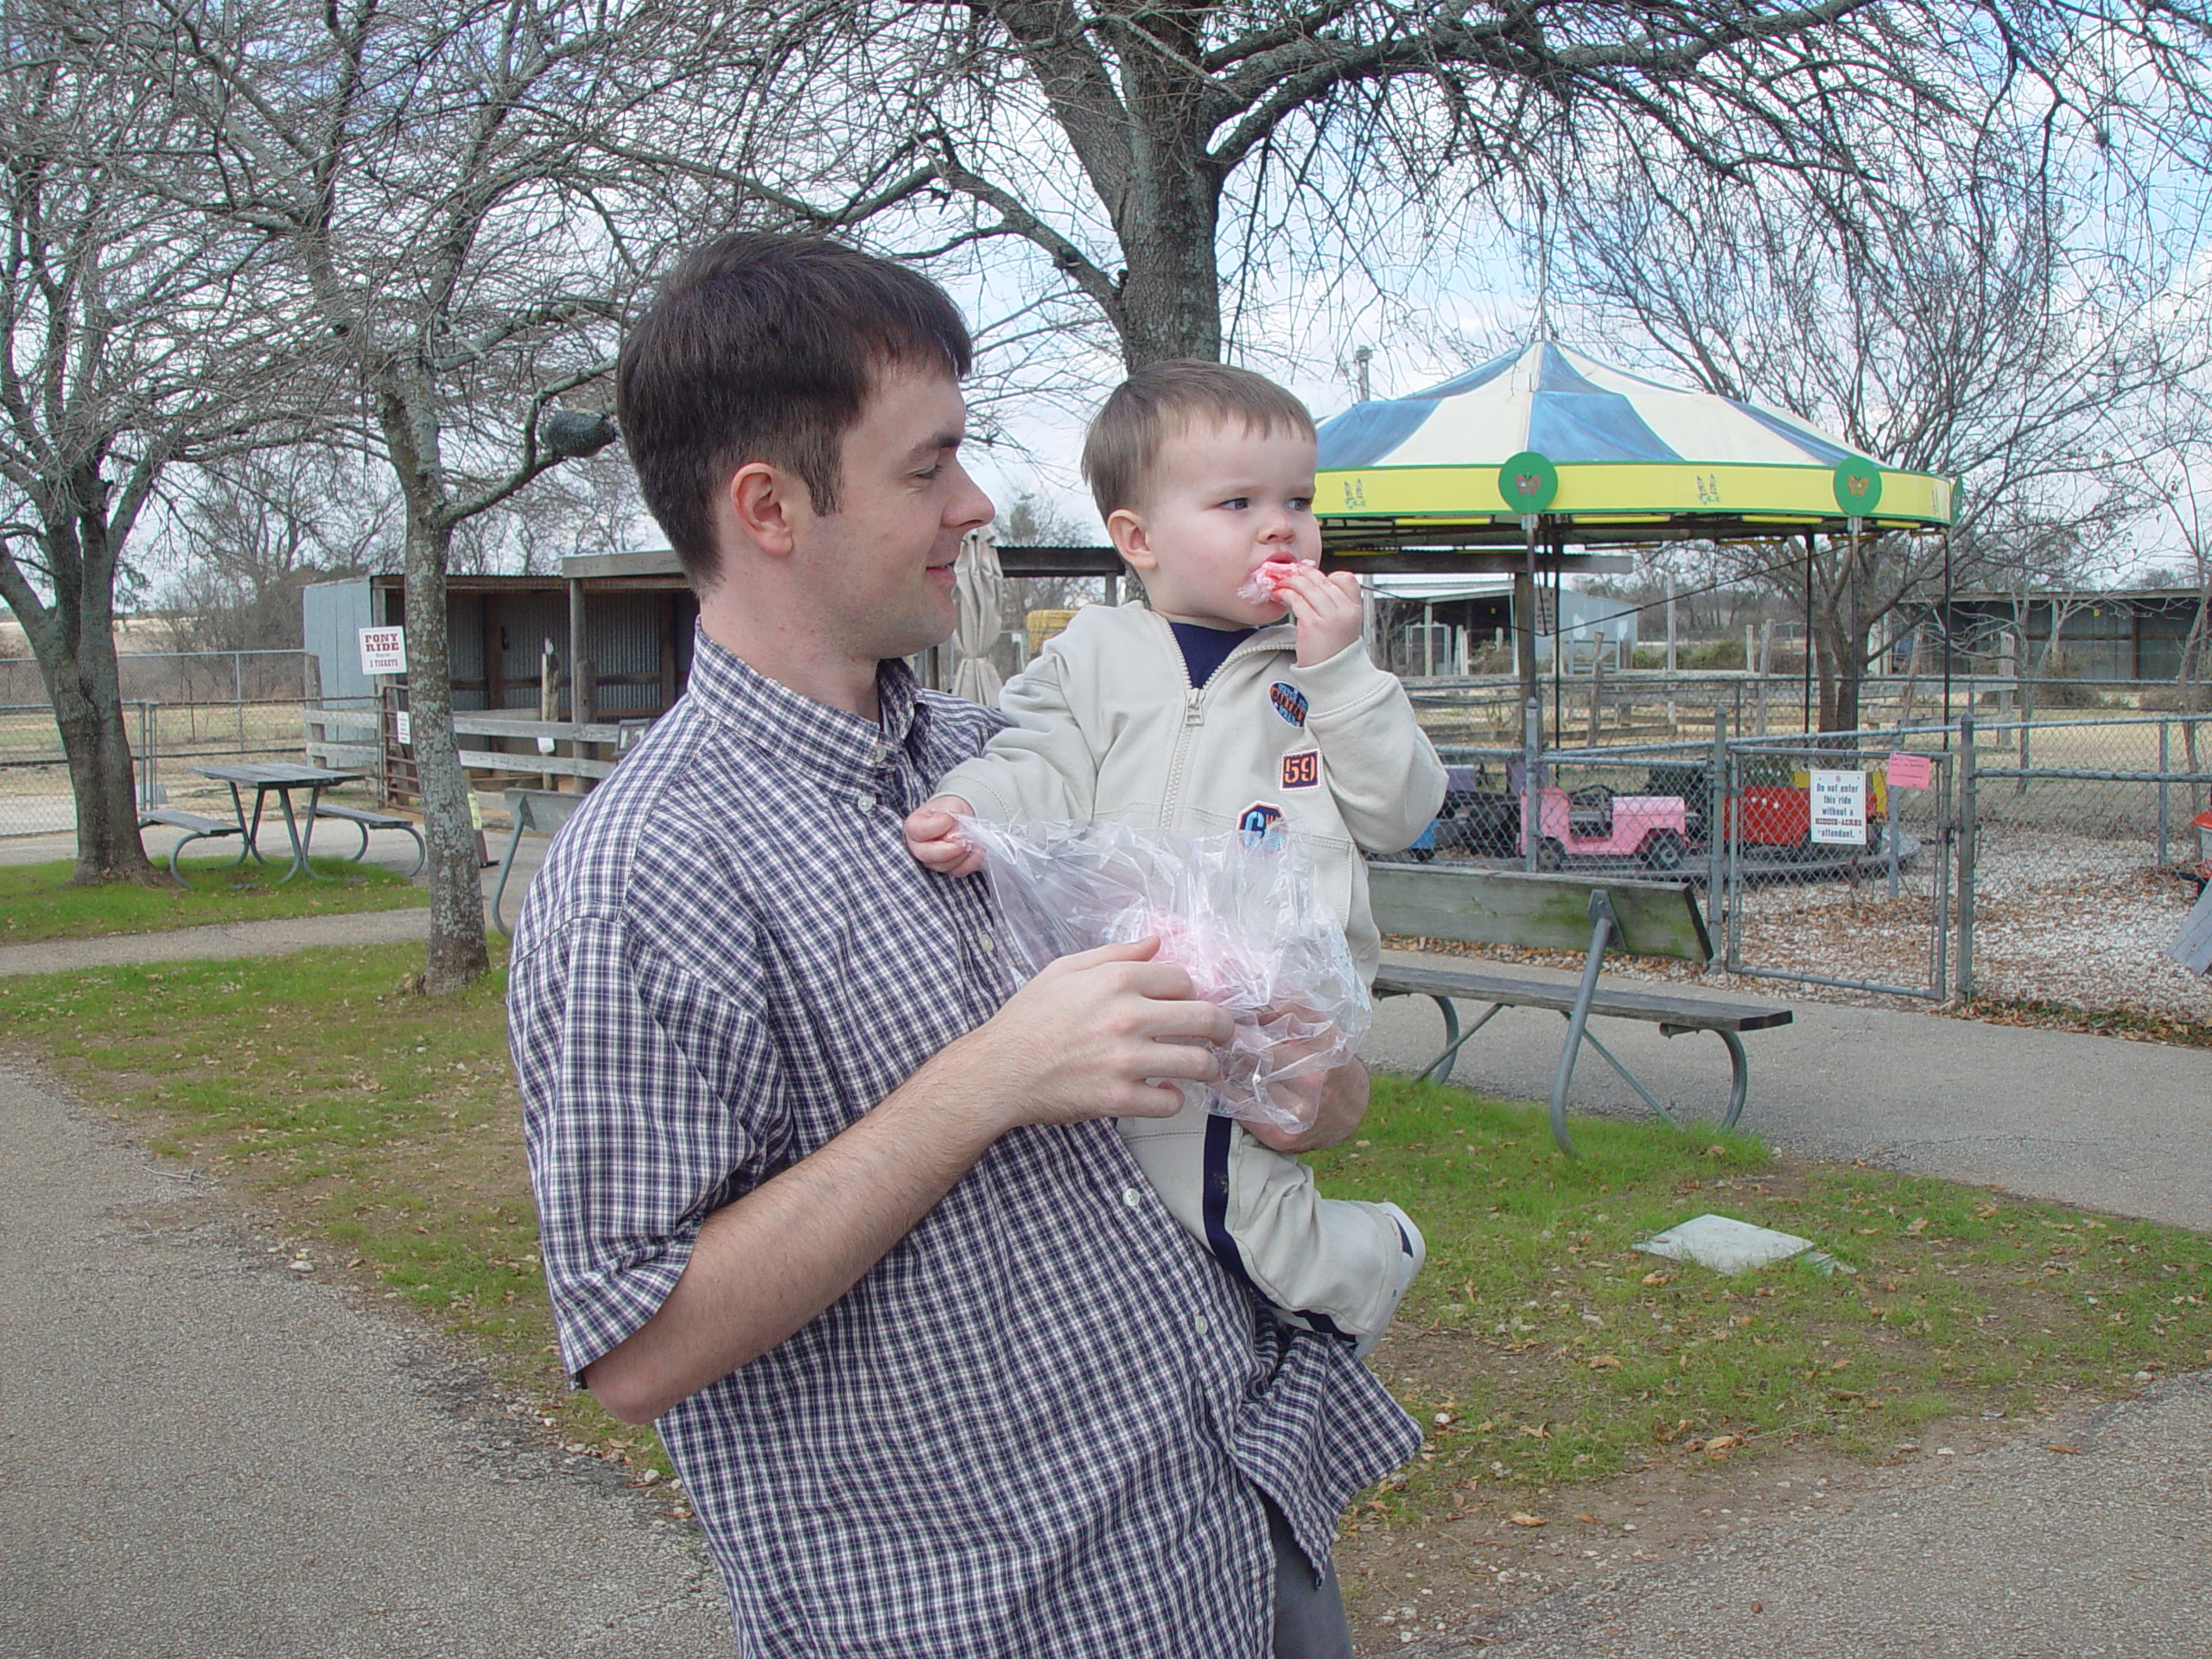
(768, 1262)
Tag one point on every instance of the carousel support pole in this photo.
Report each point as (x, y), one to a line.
(1809, 630)
(1524, 615)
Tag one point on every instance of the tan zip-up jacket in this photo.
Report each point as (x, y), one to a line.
(1106, 726)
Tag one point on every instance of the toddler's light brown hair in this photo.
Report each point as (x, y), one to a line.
(1162, 402)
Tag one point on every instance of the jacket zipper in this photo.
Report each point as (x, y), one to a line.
(1194, 713)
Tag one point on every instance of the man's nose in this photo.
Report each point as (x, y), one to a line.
(968, 507)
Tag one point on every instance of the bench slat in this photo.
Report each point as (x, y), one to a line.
(1690, 1012)
(177, 819)
(358, 815)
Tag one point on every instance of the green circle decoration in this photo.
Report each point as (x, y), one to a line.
(1529, 482)
(1857, 488)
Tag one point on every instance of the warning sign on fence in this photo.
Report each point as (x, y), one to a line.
(384, 650)
(1910, 771)
(1839, 808)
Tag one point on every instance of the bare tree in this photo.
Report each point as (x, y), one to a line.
(431, 170)
(135, 335)
(1152, 157)
(1969, 320)
(246, 534)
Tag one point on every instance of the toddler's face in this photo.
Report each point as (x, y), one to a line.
(1224, 502)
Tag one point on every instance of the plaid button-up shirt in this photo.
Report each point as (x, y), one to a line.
(1042, 1424)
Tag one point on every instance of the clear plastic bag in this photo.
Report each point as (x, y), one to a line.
(1238, 912)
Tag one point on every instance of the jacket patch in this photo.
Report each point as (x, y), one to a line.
(1301, 769)
(1289, 702)
(1261, 826)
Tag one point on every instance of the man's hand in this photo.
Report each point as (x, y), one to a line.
(1327, 609)
(1095, 1034)
(935, 840)
(1343, 1103)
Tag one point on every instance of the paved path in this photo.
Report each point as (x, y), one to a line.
(2097, 1120)
(2013, 1553)
(203, 1452)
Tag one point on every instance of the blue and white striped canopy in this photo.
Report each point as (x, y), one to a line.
(1567, 408)
(1636, 460)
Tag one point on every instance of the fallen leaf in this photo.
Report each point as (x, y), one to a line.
(1985, 1212)
(2070, 1451)
(1588, 1520)
(1918, 1225)
(1536, 1431)
(1606, 1363)
(1722, 1443)
(1658, 1278)
(1522, 1518)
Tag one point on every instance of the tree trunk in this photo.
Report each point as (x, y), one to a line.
(1171, 291)
(456, 955)
(73, 641)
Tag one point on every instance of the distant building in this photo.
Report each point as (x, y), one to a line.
(2104, 634)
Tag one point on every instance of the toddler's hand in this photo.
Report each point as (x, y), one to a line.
(935, 840)
(1327, 609)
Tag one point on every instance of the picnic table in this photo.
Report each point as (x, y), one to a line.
(265, 779)
(1586, 914)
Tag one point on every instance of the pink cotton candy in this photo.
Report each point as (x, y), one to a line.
(1268, 581)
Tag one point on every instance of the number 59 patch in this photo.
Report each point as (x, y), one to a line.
(1301, 769)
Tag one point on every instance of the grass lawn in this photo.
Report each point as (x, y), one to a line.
(1537, 1349)
(35, 905)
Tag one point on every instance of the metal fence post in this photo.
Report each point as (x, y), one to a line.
(1716, 828)
(1532, 815)
(1967, 851)
(2165, 755)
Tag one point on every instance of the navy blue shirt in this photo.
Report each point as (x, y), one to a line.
(1205, 649)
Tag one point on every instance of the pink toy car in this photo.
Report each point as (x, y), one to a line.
(1653, 828)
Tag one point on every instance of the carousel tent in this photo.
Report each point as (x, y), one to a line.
(1604, 456)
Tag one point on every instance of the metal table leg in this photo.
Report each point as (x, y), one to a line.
(506, 866)
(1601, 930)
(1440, 1069)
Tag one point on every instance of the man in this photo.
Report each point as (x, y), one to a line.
(822, 1190)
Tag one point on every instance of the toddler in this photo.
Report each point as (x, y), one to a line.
(1207, 709)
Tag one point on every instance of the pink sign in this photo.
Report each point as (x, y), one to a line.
(1911, 771)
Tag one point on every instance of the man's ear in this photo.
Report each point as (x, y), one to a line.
(765, 504)
(1126, 531)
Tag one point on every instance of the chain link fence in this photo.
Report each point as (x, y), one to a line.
(180, 709)
(2032, 862)
(2076, 842)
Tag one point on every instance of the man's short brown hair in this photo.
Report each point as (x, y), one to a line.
(1160, 402)
(761, 347)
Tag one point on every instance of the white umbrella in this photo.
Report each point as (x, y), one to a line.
(980, 586)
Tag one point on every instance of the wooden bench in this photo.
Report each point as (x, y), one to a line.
(201, 828)
(1590, 914)
(541, 810)
(364, 820)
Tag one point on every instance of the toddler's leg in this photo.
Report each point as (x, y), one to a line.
(1337, 1265)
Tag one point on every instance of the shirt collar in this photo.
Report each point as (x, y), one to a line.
(769, 715)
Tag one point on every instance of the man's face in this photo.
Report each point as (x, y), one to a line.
(1224, 500)
(884, 560)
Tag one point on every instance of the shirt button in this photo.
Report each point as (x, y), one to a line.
(1201, 1323)
(865, 801)
(1131, 1197)
(878, 754)
(986, 944)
